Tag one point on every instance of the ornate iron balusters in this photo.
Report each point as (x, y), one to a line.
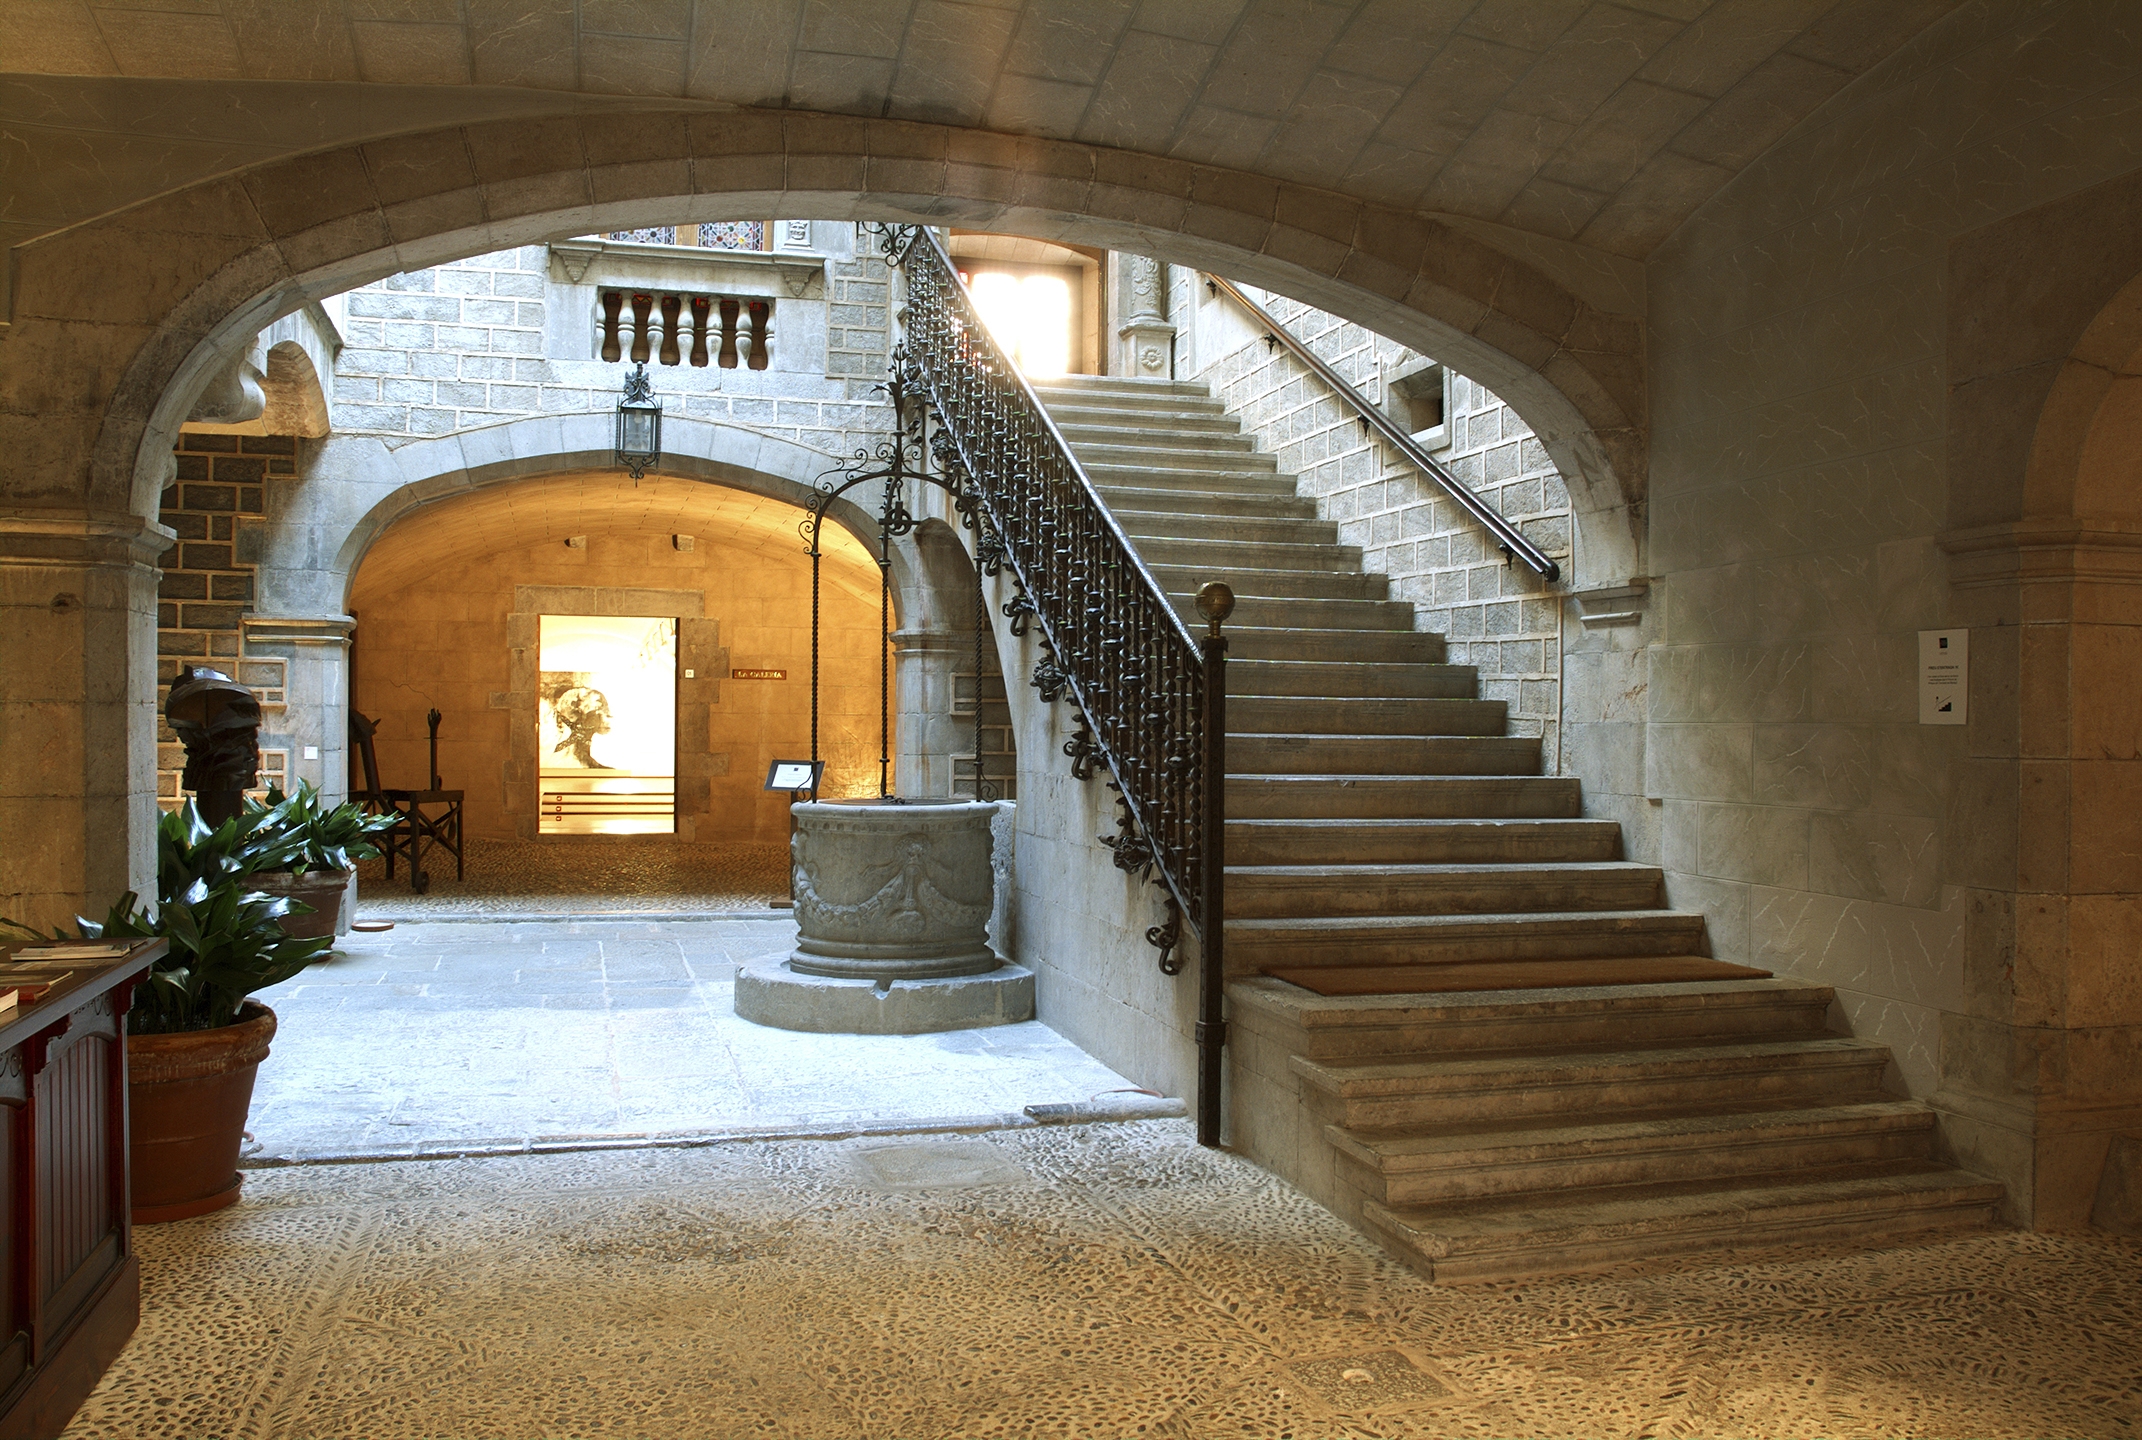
(1150, 697)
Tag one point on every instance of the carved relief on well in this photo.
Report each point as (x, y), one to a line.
(899, 891)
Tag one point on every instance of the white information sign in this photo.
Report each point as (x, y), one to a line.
(1944, 676)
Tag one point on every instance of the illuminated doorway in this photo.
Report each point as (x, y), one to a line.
(606, 724)
(1030, 313)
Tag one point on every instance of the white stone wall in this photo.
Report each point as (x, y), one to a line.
(1497, 616)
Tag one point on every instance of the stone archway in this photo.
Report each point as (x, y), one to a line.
(2046, 821)
(745, 487)
(102, 376)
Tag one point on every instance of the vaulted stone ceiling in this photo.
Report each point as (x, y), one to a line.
(1601, 123)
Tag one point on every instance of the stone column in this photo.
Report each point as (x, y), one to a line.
(2039, 1078)
(1148, 340)
(315, 651)
(925, 731)
(77, 711)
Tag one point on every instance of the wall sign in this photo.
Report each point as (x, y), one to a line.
(758, 674)
(1944, 676)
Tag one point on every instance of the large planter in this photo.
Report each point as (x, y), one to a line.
(321, 889)
(189, 1094)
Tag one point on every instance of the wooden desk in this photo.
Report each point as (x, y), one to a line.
(70, 1286)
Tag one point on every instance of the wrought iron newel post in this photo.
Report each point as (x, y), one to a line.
(1215, 602)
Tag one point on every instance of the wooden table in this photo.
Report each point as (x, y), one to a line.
(70, 1286)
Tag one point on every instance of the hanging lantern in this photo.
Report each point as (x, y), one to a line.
(639, 425)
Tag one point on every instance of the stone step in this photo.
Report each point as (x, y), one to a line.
(1276, 584)
(1352, 1028)
(1399, 797)
(1445, 1090)
(1340, 754)
(1449, 1163)
(1263, 892)
(1259, 612)
(1184, 416)
(1207, 531)
(1300, 942)
(1211, 455)
(1218, 557)
(1488, 1240)
(1274, 505)
(1117, 389)
(1339, 679)
(1201, 482)
(1420, 842)
(1358, 647)
(1314, 715)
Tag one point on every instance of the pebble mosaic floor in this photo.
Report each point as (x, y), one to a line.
(1078, 1281)
(580, 875)
(451, 1036)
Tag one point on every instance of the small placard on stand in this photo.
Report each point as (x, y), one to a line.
(797, 777)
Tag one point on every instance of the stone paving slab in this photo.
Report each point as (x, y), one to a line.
(1080, 1281)
(436, 1037)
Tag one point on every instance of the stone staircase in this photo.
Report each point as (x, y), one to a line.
(1379, 815)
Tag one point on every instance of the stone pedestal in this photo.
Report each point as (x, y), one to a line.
(1147, 339)
(893, 905)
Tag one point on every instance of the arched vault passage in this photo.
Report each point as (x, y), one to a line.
(358, 488)
(240, 250)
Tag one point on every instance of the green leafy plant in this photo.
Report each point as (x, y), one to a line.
(328, 837)
(226, 939)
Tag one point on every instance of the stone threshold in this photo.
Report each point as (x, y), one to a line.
(1102, 1110)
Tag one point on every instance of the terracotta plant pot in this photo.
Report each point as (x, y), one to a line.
(189, 1094)
(321, 889)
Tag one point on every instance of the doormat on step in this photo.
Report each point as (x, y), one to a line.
(1512, 975)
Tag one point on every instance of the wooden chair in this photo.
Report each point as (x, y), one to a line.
(422, 817)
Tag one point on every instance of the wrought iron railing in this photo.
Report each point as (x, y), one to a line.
(1150, 695)
(1508, 537)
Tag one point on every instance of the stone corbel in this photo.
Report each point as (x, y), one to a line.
(237, 395)
(1612, 605)
(574, 257)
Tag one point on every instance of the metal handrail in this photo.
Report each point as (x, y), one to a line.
(1508, 536)
(1151, 696)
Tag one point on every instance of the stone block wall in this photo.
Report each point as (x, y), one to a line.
(1497, 615)
(215, 504)
(1000, 760)
(478, 341)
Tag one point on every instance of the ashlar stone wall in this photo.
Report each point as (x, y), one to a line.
(1497, 615)
(508, 334)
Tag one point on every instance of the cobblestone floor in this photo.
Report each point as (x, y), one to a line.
(449, 1037)
(1079, 1281)
(580, 875)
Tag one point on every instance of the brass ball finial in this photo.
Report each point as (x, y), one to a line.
(1215, 601)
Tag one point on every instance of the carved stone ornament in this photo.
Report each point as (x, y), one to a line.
(893, 891)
